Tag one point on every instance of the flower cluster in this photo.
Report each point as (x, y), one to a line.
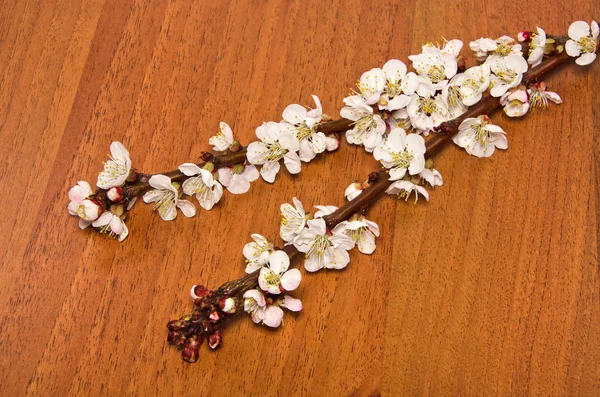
(294, 139)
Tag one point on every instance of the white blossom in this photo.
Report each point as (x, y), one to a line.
(275, 277)
(507, 73)
(452, 97)
(257, 253)
(482, 47)
(117, 169)
(293, 220)
(323, 250)
(583, 42)
(539, 97)
(166, 198)
(353, 191)
(516, 103)
(405, 188)
(434, 66)
(473, 83)
(361, 231)
(202, 184)
(267, 309)
(479, 137)
(537, 46)
(368, 128)
(506, 46)
(223, 140)
(432, 176)
(400, 153)
(399, 85)
(111, 224)
(275, 144)
(80, 206)
(238, 177)
(304, 125)
(427, 112)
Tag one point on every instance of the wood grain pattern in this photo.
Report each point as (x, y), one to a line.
(491, 288)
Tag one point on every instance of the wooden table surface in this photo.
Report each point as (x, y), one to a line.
(491, 288)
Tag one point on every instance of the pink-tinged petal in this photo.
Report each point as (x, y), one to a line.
(186, 208)
(189, 169)
(239, 184)
(572, 48)
(294, 114)
(103, 220)
(262, 279)
(73, 208)
(116, 225)
(257, 295)
(289, 141)
(225, 176)
(273, 317)
(250, 173)
(257, 152)
(317, 226)
(554, 97)
(279, 261)
(292, 304)
(366, 243)
(118, 152)
(124, 233)
(586, 59)
(291, 279)
(579, 29)
(292, 162)
(83, 223)
(269, 171)
(161, 182)
(336, 258)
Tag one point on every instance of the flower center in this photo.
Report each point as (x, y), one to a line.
(365, 124)
(319, 246)
(165, 202)
(393, 88)
(503, 49)
(273, 278)
(276, 152)
(427, 106)
(107, 230)
(436, 73)
(506, 75)
(305, 132)
(587, 44)
(402, 159)
(454, 96)
(114, 167)
(538, 99)
(81, 211)
(481, 134)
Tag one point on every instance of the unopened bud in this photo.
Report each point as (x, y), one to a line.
(228, 305)
(383, 100)
(485, 118)
(238, 168)
(461, 64)
(415, 179)
(214, 339)
(176, 338)
(176, 325)
(209, 167)
(207, 156)
(235, 147)
(326, 117)
(524, 36)
(115, 194)
(117, 209)
(429, 163)
(214, 317)
(373, 177)
(133, 175)
(198, 291)
(190, 355)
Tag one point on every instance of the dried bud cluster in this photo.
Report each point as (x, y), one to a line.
(188, 332)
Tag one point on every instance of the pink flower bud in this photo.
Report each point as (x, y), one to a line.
(228, 305)
(190, 355)
(176, 338)
(115, 194)
(524, 36)
(198, 291)
(214, 317)
(214, 339)
(133, 175)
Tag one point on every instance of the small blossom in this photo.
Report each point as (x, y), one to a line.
(228, 305)
(404, 189)
(368, 128)
(516, 103)
(111, 224)
(507, 73)
(400, 153)
(361, 231)
(479, 137)
(238, 177)
(266, 309)
(399, 85)
(322, 249)
(166, 198)
(432, 176)
(506, 46)
(224, 139)
(434, 66)
(117, 169)
(275, 144)
(276, 278)
(257, 253)
(80, 206)
(293, 220)
(453, 98)
(482, 47)
(201, 183)
(371, 85)
(427, 112)
(353, 191)
(304, 125)
(539, 97)
(537, 46)
(115, 194)
(583, 42)
(473, 83)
